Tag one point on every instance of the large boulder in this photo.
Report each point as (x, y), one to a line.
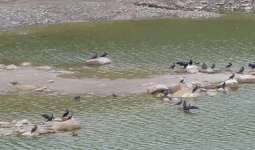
(11, 67)
(67, 125)
(232, 83)
(157, 88)
(98, 61)
(246, 78)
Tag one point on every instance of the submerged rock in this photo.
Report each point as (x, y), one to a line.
(192, 69)
(98, 61)
(26, 64)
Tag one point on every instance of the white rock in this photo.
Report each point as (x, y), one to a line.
(26, 64)
(192, 69)
(246, 78)
(11, 67)
(98, 61)
(44, 67)
(157, 88)
(233, 83)
(2, 66)
(67, 125)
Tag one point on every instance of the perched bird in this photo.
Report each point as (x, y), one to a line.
(251, 65)
(213, 66)
(65, 113)
(232, 76)
(114, 95)
(34, 129)
(94, 56)
(49, 118)
(190, 62)
(195, 89)
(223, 86)
(104, 54)
(77, 98)
(14, 82)
(172, 66)
(182, 63)
(229, 65)
(187, 108)
(204, 66)
(241, 70)
(182, 81)
(69, 117)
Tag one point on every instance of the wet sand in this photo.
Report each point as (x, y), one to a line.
(50, 80)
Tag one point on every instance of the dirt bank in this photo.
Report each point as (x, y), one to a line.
(33, 79)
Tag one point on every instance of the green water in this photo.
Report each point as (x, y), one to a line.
(137, 48)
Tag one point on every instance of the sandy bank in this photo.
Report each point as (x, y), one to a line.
(40, 80)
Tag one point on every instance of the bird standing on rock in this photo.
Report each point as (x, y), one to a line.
(34, 129)
(213, 66)
(65, 113)
(232, 76)
(241, 70)
(195, 89)
(49, 118)
(104, 54)
(251, 65)
(229, 65)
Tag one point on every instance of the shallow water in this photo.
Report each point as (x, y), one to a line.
(137, 48)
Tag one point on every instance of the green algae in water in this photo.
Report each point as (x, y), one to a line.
(137, 48)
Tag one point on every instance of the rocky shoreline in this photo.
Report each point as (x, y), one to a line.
(18, 13)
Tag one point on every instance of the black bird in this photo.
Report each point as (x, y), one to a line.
(74, 134)
(187, 108)
(34, 129)
(65, 113)
(182, 81)
(49, 118)
(182, 63)
(190, 62)
(77, 98)
(172, 66)
(213, 66)
(232, 76)
(251, 65)
(229, 65)
(195, 89)
(204, 66)
(241, 70)
(165, 92)
(114, 95)
(223, 85)
(104, 54)
(94, 56)
(69, 117)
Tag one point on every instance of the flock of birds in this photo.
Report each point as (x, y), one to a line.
(187, 107)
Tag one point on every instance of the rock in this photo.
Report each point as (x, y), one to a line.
(51, 81)
(232, 83)
(22, 122)
(192, 69)
(41, 89)
(209, 71)
(44, 67)
(2, 66)
(26, 64)
(174, 88)
(98, 61)
(157, 88)
(67, 125)
(24, 87)
(64, 72)
(246, 78)
(11, 67)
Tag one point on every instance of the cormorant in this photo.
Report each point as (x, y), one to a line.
(241, 70)
(251, 65)
(190, 62)
(179, 103)
(213, 66)
(182, 81)
(232, 76)
(104, 54)
(65, 113)
(229, 65)
(77, 98)
(195, 89)
(34, 129)
(49, 118)
(223, 85)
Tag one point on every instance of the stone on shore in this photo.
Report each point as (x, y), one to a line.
(246, 78)
(11, 67)
(99, 61)
(157, 88)
(67, 125)
(26, 64)
(24, 87)
(192, 69)
(44, 68)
